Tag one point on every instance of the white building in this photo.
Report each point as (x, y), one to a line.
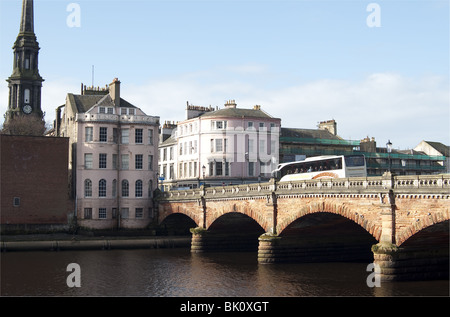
(220, 147)
(113, 158)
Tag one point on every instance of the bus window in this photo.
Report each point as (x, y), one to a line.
(354, 161)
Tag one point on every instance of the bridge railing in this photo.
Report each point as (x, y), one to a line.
(414, 184)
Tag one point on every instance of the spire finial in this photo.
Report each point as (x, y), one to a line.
(27, 20)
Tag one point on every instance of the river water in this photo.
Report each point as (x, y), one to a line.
(178, 272)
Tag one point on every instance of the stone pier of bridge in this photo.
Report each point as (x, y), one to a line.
(400, 223)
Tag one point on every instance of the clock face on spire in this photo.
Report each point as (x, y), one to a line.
(27, 109)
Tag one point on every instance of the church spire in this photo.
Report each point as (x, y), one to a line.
(25, 82)
(27, 20)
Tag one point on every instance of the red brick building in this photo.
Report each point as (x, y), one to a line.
(34, 184)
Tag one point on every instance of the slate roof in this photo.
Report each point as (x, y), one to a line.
(308, 134)
(237, 113)
(82, 103)
(441, 148)
(169, 141)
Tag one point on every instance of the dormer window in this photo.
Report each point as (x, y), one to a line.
(129, 111)
(108, 110)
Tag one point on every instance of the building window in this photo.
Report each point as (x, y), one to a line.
(251, 168)
(219, 147)
(250, 146)
(171, 171)
(88, 160)
(16, 201)
(125, 136)
(88, 134)
(103, 134)
(114, 188)
(219, 125)
(87, 188)
(110, 110)
(139, 212)
(261, 125)
(250, 124)
(101, 109)
(102, 213)
(115, 135)
(150, 136)
(150, 162)
(138, 136)
(87, 213)
(138, 188)
(114, 213)
(262, 146)
(102, 160)
(138, 161)
(125, 161)
(219, 169)
(102, 188)
(114, 161)
(227, 169)
(124, 213)
(125, 188)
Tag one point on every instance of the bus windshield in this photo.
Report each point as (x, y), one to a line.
(352, 161)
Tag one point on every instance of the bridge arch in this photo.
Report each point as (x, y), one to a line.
(217, 210)
(423, 224)
(370, 226)
(187, 210)
(176, 224)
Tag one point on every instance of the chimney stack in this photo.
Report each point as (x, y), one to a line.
(114, 91)
(230, 104)
(330, 126)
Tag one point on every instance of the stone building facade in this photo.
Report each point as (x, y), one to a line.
(215, 147)
(112, 158)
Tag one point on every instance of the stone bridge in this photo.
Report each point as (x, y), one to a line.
(401, 223)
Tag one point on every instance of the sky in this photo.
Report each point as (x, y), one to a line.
(379, 68)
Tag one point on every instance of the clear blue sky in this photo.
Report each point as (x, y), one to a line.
(302, 61)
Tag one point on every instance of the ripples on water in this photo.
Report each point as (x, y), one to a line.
(177, 272)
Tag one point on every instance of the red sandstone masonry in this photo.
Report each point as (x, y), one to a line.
(420, 201)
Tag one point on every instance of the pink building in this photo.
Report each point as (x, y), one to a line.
(113, 158)
(220, 146)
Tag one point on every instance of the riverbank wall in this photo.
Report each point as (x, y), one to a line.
(92, 243)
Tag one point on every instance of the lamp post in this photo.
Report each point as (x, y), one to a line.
(389, 150)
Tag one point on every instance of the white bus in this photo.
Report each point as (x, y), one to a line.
(333, 166)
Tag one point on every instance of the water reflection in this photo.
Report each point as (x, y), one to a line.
(177, 272)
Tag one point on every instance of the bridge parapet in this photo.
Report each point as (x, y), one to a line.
(432, 185)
